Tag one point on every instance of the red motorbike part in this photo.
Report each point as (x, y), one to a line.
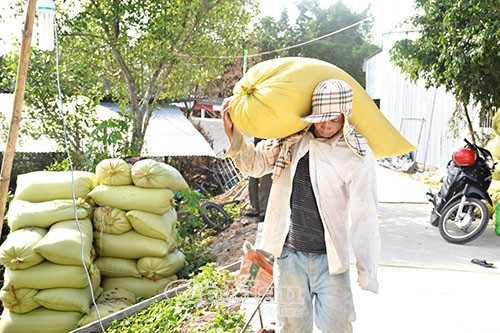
(464, 157)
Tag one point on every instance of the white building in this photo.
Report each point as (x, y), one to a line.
(421, 115)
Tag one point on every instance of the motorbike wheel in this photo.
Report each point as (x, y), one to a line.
(472, 221)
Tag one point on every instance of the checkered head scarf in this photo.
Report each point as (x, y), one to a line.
(330, 99)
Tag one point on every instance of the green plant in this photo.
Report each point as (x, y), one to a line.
(205, 306)
(194, 236)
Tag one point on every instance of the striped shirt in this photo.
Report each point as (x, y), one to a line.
(306, 232)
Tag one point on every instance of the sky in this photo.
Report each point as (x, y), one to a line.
(387, 13)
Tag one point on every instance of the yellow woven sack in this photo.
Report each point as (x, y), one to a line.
(63, 243)
(142, 287)
(129, 197)
(273, 95)
(16, 252)
(65, 299)
(111, 220)
(40, 320)
(155, 268)
(113, 171)
(46, 275)
(117, 267)
(41, 186)
(105, 309)
(117, 294)
(130, 245)
(149, 173)
(19, 300)
(43, 214)
(153, 225)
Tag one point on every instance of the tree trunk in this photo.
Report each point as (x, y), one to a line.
(22, 70)
(469, 123)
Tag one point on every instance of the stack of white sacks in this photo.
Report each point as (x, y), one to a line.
(132, 230)
(46, 287)
(135, 235)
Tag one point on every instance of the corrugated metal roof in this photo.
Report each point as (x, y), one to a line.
(215, 130)
(170, 133)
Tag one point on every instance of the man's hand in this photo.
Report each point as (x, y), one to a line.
(226, 118)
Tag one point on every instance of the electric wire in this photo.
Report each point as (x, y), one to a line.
(281, 49)
(68, 154)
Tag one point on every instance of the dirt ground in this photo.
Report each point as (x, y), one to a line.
(228, 244)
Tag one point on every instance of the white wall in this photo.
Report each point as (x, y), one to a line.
(420, 114)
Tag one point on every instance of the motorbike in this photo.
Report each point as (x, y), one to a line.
(460, 208)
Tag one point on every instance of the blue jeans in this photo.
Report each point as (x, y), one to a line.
(307, 293)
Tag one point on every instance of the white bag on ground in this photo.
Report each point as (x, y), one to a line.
(16, 252)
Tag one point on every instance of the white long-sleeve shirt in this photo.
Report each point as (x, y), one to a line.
(345, 188)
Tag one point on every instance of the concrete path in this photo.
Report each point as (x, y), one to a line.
(426, 284)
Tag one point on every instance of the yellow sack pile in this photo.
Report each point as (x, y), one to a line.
(149, 173)
(134, 222)
(16, 252)
(273, 95)
(109, 302)
(43, 253)
(40, 320)
(113, 171)
(39, 186)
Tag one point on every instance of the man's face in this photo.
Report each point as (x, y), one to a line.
(329, 128)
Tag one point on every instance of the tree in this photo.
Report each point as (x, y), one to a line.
(134, 52)
(347, 50)
(457, 48)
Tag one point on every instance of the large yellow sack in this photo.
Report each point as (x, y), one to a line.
(65, 299)
(149, 173)
(153, 225)
(39, 321)
(113, 171)
(16, 252)
(41, 186)
(156, 268)
(130, 245)
(141, 287)
(19, 300)
(43, 214)
(129, 197)
(111, 220)
(273, 95)
(117, 267)
(63, 243)
(46, 275)
(109, 302)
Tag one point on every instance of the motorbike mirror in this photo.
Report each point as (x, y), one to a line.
(464, 157)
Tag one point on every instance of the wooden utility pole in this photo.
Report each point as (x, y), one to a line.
(22, 70)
